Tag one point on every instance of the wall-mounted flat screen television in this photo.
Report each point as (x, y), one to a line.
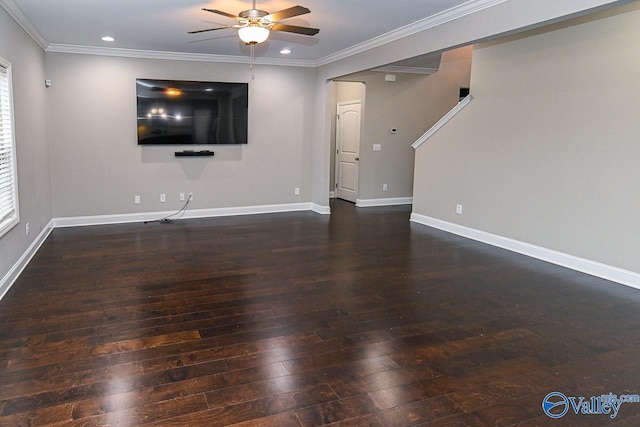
(172, 112)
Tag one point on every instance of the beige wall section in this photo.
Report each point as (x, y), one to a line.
(349, 91)
(97, 166)
(501, 18)
(412, 104)
(29, 99)
(456, 64)
(547, 152)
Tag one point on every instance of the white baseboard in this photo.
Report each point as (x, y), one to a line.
(332, 194)
(593, 268)
(368, 203)
(319, 209)
(192, 213)
(12, 275)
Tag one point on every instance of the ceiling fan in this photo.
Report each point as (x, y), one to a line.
(254, 25)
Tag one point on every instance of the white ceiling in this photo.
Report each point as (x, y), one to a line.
(162, 25)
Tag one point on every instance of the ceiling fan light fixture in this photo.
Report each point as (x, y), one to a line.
(253, 34)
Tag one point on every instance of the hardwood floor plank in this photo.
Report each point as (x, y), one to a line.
(350, 385)
(416, 413)
(391, 397)
(146, 343)
(288, 419)
(140, 415)
(123, 383)
(335, 411)
(504, 414)
(255, 390)
(122, 400)
(57, 377)
(237, 356)
(257, 409)
(39, 417)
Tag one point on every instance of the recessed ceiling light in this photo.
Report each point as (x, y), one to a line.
(285, 51)
(108, 39)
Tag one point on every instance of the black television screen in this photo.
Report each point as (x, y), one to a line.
(174, 112)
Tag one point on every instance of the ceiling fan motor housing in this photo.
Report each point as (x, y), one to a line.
(254, 18)
(253, 14)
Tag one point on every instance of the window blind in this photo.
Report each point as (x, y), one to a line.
(8, 195)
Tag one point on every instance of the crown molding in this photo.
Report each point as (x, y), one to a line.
(468, 8)
(174, 56)
(19, 16)
(405, 70)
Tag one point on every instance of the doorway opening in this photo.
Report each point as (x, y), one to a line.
(349, 100)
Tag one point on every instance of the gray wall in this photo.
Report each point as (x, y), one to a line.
(97, 166)
(547, 152)
(27, 61)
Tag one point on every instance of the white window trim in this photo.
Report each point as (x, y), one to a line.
(13, 221)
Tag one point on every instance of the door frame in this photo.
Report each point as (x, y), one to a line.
(336, 155)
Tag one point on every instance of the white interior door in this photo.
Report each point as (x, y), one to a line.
(348, 149)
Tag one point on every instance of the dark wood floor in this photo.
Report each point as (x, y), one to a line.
(296, 319)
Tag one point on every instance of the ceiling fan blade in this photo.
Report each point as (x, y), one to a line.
(287, 13)
(219, 12)
(295, 29)
(209, 29)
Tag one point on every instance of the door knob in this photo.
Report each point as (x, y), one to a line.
(357, 158)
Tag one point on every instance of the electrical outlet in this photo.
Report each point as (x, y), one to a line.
(384, 187)
(163, 198)
(182, 197)
(459, 209)
(26, 229)
(190, 197)
(296, 191)
(136, 199)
